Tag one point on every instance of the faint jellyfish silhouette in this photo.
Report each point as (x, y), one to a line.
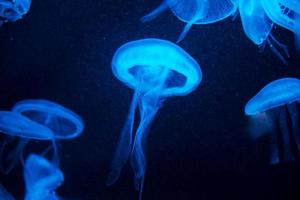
(13, 10)
(4, 194)
(195, 12)
(64, 123)
(15, 125)
(155, 69)
(42, 178)
(44, 120)
(285, 13)
(258, 27)
(275, 110)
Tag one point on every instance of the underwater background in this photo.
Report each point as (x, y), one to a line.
(198, 147)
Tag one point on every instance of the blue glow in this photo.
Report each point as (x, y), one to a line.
(276, 106)
(42, 178)
(195, 12)
(13, 10)
(155, 69)
(64, 123)
(4, 194)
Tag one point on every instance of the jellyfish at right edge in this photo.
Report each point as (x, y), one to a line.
(275, 110)
(285, 13)
(155, 69)
(258, 26)
(13, 10)
(195, 12)
(42, 178)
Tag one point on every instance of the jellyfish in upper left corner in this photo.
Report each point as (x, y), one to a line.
(13, 10)
(195, 12)
(42, 178)
(258, 27)
(274, 110)
(155, 69)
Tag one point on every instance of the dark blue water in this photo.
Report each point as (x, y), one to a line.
(199, 147)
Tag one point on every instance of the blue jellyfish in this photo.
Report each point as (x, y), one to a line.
(285, 13)
(42, 178)
(275, 111)
(13, 10)
(155, 69)
(50, 120)
(195, 12)
(258, 26)
(16, 125)
(4, 194)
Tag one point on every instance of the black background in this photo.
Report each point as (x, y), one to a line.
(198, 147)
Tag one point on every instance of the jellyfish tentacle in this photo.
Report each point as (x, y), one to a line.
(185, 31)
(125, 143)
(293, 112)
(155, 13)
(274, 44)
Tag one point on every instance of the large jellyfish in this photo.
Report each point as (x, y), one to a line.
(258, 26)
(195, 12)
(42, 178)
(55, 122)
(275, 110)
(155, 69)
(13, 10)
(4, 194)
(285, 13)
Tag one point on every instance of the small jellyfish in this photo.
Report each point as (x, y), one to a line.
(55, 122)
(258, 27)
(275, 110)
(42, 178)
(13, 10)
(155, 69)
(16, 125)
(4, 194)
(285, 13)
(195, 12)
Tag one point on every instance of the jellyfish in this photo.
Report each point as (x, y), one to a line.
(285, 13)
(195, 12)
(258, 26)
(42, 178)
(13, 10)
(4, 194)
(60, 123)
(155, 69)
(16, 125)
(275, 109)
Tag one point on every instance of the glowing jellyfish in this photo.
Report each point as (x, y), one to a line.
(155, 69)
(16, 125)
(258, 26)
(285, 13)
(13, 10)
(54, 121)
(4, 194)
(275, 110)
(42, 178)
(195, 12)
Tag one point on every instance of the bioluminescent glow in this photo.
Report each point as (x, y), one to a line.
(285, 13)
(155, 69)
(4, 194)
(42, 178)
(13, 10)
(258, 26)
(16, 125)
(275, 108)
(195, 12)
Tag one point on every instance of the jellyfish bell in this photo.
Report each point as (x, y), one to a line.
(258, 26)
(155, 69)
(42, 178)
(13, 10)
(63, 122)
(279, 100)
